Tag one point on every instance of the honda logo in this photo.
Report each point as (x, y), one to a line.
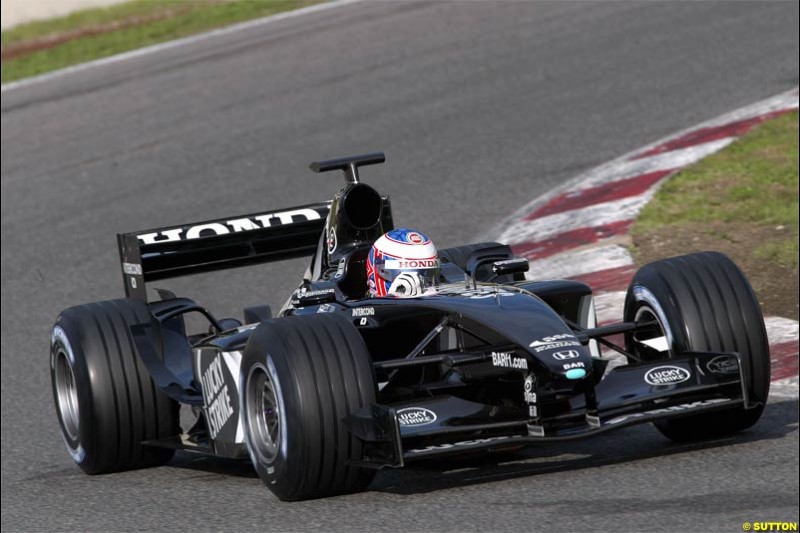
(568, 354)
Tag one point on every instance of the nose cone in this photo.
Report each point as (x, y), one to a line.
(564, 355)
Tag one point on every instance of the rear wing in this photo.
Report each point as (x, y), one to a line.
(210, 245)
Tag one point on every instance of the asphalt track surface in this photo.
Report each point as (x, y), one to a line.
(480, 107)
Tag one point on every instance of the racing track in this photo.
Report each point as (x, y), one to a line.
(480, 108)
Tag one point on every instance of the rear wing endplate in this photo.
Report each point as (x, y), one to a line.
(211, 245)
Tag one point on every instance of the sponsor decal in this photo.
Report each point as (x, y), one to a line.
(462, 443)
(561, 340)
(530, 397)
(398, 264)
(326, 308)
(458, 289)
(666, 375)
(674, 409)
(340, 268)
(215, 396)
(364, 311)
(576, 364)
(507, 360)
(415, 238)
(302, 294)
(516, 260)
(132, 269)
(723, 364)
(407, 237)
(535, 430)
(331, 241)
(567, 354)
(415, 416)
(210, 229)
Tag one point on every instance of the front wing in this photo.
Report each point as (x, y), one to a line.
(697, 382)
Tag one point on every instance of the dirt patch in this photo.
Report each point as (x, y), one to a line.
(776, 285)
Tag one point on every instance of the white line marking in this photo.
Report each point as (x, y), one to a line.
(780, 330)
(176, 43)
(585, 217)
(577, 263)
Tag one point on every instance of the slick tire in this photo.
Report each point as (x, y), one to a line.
(703, 302)
(105, 400)
(302, 377)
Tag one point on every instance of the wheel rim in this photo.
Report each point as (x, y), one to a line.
(650, 334)
(67, 396)
(263, 416)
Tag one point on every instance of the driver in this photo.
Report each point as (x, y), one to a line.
(402, 262)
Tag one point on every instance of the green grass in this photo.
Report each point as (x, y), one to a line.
(754, 181)
(175, 19)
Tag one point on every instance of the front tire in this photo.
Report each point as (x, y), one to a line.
(302, 377)
(105, 400)
(702, 302)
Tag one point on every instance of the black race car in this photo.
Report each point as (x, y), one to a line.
(341, 384)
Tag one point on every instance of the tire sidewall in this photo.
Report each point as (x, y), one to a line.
(66, 336)
(640, 296)
(280, 473)
(323, 370)
(110, 436)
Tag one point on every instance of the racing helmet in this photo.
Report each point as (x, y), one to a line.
(402, 262)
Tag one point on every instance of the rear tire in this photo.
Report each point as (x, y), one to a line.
(105, 400)
(302, 377)
(703, 302)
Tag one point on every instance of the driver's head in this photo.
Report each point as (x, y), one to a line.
(402, 262)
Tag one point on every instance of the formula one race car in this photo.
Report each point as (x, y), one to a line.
(342, 383)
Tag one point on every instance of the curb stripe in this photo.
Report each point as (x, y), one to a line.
(580, 263)
(630, 166)
(593, 215)
(625, 188)
(784, 360)
(609, 306)
(611, 279)
(703, 135)
(571, 239)
(781, 330)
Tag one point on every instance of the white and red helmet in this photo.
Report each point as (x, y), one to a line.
(402, 262)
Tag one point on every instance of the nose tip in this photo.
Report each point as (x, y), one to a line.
(576, 373)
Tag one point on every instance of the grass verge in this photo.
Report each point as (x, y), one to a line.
(42, 46)
(742, 201)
